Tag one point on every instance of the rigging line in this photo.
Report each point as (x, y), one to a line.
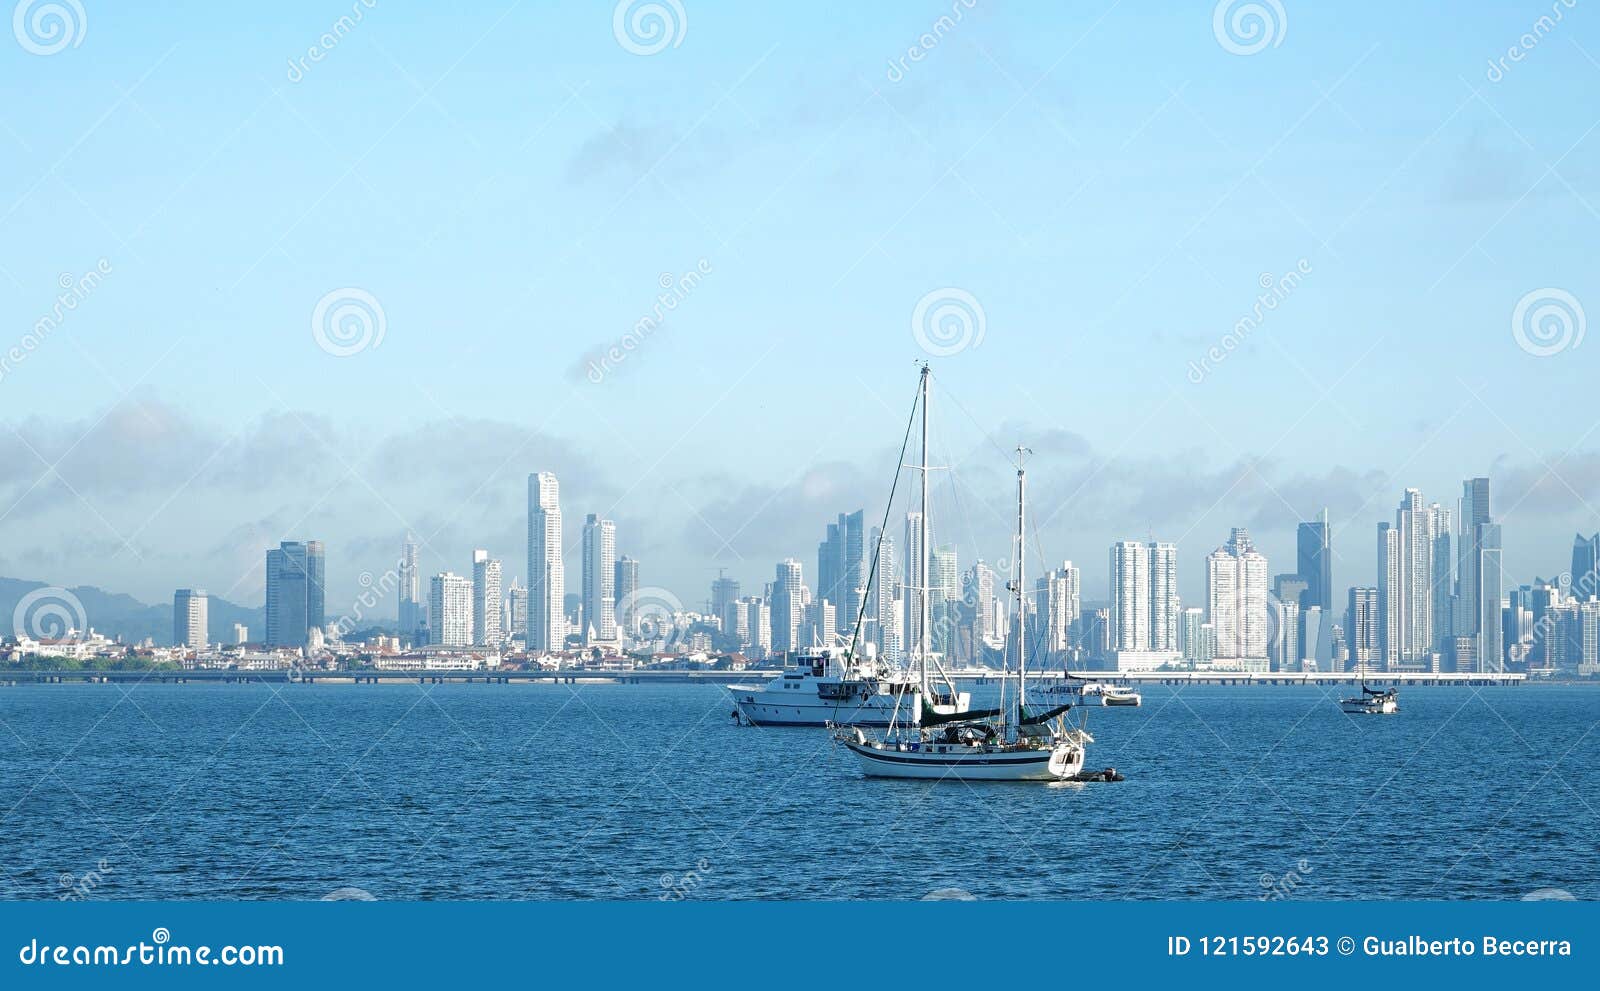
(883, 531)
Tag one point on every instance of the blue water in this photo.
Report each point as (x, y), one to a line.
(551, 792)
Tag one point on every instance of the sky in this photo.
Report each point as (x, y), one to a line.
(348, 295)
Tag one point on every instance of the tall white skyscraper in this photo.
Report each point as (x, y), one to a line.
(547, 577)
(1059, 602)
(1164, 597)
(1389, 596)
(450, 608)
(1130, 596)
(486, 600)
(1236, 593)
(788, 606)
(599, 578)
(191, 609)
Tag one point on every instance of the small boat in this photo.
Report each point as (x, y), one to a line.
(1372, 702)
(1123, 695)
(1007, 743)
(832, 688)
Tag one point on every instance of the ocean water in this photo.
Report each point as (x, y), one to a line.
(642, 792)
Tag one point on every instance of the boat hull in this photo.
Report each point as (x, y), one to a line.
(957, 763)
(1361, 707)
(874, 711)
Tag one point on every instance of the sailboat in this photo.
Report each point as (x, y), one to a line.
(1371, 701)
(1008, 743)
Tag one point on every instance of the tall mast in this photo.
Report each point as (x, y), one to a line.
(922, 551)
(1022, 617)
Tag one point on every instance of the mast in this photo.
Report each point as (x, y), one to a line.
(1022, 617)
(922, 551)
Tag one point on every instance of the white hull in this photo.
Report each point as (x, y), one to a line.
(761, 708)
(1361, 707)
(955, 762)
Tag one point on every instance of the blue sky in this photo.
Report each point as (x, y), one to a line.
(1106, 180)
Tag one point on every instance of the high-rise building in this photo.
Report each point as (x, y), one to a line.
(1490, 652)
(788, 606)
(1361, 627)
(410, 588)
(547, 578)
(1130, 596)
(1473, 510)
(191, 618)
(841, 564)
(626, 587)
(1388, 597)
(1059, 602)
(1283, 634)
(1314, 563)
(944, 598)
(1289, 588)
(725, 592)
(916, 584)
(517, 601)
(988, 608)
(486, 599)
(599, 579)
(289, 597)
(450, 609)
(316, 585)
(1585, 567)
(1164, 597)
(1236, 594)
(1415, 525)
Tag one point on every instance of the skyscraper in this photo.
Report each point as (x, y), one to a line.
(410, 588)
(1130, 596)
(1491, 649)
(1388, 597)
(1236, 593)
(724, 592)
(1314, 562)
(288, 595)
(517, 601)
(626, 588)
(944, 596)
(788, 606)
(916, 584)
(486, 599)
(547, 579)
(1164, 597)
(450, 606)
(1361, 627)
(1585, 567)
(316, 585)
(1443, 581)
(1059, 604)
(1474, 510)
(190, 618)
(600, 578)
